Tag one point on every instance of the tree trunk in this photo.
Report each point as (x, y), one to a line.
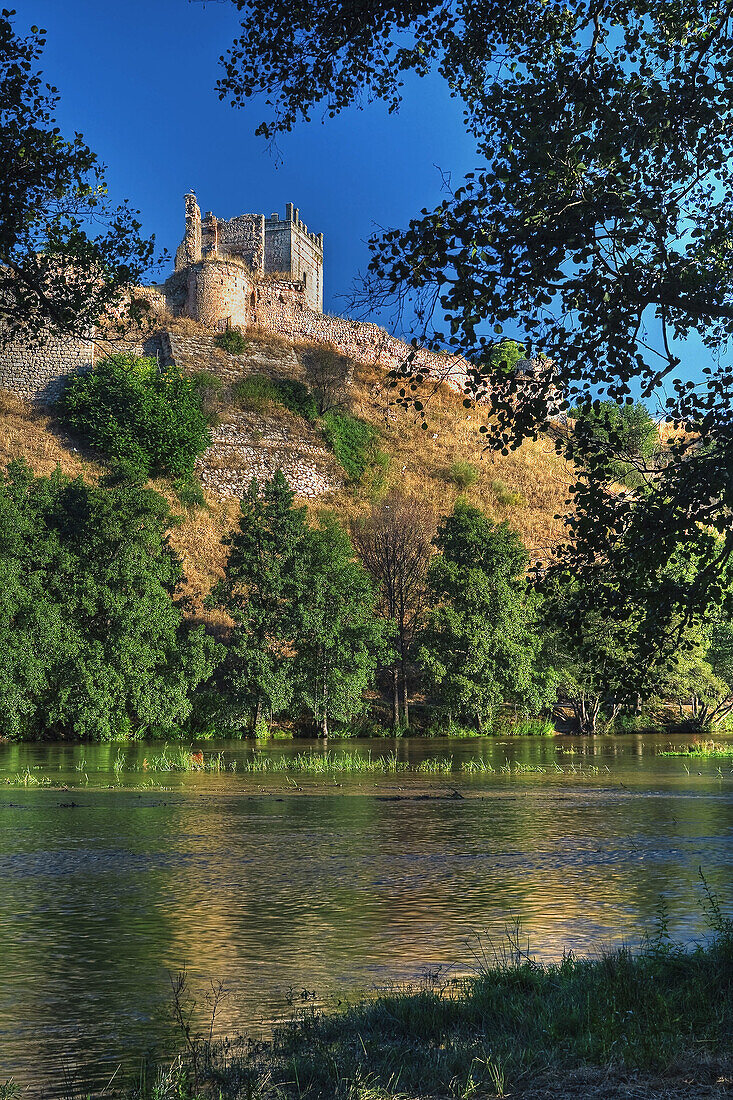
(324, 719)
(258, 716)
(405, 694)
(395, 697)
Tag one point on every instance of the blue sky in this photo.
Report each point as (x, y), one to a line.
(138, 77)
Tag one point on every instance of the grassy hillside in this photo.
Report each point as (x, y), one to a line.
(528, 487)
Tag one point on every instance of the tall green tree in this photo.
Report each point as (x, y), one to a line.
(263, 589)
(68, 256)
(340, 639)
(92, 642)
(480, 647)
(623, 437)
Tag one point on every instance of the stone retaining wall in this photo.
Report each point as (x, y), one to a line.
(38, 371)
(248, 445)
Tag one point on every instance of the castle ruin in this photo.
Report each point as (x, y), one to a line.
(248, 272)
(263, 246)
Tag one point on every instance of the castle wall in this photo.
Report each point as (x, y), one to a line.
(290, 248)
(38, 372)
(283, 308)
(242, 237)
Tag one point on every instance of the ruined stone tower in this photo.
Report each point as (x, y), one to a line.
(265, 246)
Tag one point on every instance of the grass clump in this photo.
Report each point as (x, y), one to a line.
(352, 440)
(463, 474)
(210, 388)
(505, 496)
(257, 393)
(254, 393)
(233, 341)
(701, 749)
(182, 759)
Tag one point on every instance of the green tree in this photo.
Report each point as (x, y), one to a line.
(147, 417)
(624, 439)
(702, 677)
(340, 639)
(58, 272)
(480, 646)
(92, 643)
(263, 589)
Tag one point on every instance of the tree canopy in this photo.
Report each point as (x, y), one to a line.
(147, 417)
(479, 647)
(92, 643)
(68, 255)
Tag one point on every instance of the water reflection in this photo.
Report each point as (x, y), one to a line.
(332, 887)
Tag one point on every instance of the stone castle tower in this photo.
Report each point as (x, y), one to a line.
(265, 246)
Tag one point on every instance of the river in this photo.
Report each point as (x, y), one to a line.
(293, 888)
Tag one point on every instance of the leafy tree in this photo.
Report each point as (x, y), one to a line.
(598, 225)
(92, 643)
(56, 273)
(394, 543)
(329, 375)
(340, 640)
(702, 676)
(148, 417)
(618, 638)
(592, 655)
(623, 437)
(480, 646)
(263, 589)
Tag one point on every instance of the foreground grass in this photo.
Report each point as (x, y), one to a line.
(517, 1028)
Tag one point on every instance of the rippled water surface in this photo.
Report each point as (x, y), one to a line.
(279, 884)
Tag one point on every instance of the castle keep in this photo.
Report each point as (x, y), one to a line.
(263, 246)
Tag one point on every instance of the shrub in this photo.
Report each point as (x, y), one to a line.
(147, 417)
(257, 391)
(297, 397)
(232, 340)
(254, 393)
(506, 496)
(463, 474)
(353, 441)
(329, 373)
(189, 492)
(209, 388)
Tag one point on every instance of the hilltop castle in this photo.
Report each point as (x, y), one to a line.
(266, 246)
(248, 272)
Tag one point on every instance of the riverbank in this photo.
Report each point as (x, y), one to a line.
(655, 1023)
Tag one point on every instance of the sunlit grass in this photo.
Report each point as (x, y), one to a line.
(513, 1027)
(701, 749)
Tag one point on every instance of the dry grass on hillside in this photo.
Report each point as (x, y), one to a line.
(528, 487)
(30, 433)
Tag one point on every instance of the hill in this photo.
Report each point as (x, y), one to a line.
(255, 433)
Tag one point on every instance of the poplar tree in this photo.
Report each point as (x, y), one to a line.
(480, 646)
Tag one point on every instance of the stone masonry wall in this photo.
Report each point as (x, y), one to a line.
(281, 308)
(38, 371)
(220, 293)
(242, 237)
